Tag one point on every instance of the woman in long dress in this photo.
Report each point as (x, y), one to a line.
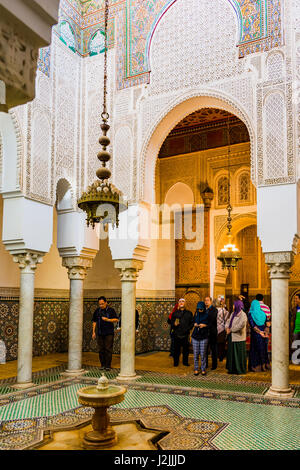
(258, 356)
(236, 331)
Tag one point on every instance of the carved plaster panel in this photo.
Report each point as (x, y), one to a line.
(18, 63)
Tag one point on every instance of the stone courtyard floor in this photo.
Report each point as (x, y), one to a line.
(177, 409)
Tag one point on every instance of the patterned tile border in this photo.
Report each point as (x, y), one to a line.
(216, 395)
(176, 432)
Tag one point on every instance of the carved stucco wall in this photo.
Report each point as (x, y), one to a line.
(193, 53)
(296, 73)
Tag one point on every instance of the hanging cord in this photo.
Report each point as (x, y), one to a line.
(105, 114)
(229, 207)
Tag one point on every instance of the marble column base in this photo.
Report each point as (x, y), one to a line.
(24, 385)
(127, 377)
(280, 393)
(73, 373)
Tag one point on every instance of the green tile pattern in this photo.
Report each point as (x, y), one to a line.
(202, 383)
(250, 425)
(5, 389)
(213, 381)
(95, 372)
(41, 377)
(47, 404)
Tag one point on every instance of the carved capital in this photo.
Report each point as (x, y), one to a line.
(28, 261)
(77, 266)
(129, 269)
(280, 264)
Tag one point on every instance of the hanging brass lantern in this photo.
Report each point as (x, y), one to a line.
(229, 255)
(102, 201)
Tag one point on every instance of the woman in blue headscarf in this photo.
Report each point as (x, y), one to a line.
(236, 331)
(258, 356)
(200, 337)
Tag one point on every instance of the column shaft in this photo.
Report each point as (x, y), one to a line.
(27, 263)
(280, 336)
(77, 270)
(75, 325)
(129, 273)
(127, 360)
(280, 263)
(25, 331)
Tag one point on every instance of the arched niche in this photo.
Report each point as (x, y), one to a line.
(179, 193)
(64, 196)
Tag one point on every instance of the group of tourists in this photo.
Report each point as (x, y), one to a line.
(213, 329)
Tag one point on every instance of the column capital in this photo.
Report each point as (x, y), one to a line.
(28, 261)
(77, 266)
(280, 263)
(129, 269)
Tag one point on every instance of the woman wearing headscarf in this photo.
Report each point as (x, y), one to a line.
(200, 337)
(236, 331)
(258, 356)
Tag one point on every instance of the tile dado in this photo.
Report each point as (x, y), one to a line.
(51, 325)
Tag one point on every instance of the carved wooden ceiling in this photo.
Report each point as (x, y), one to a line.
(204, 117)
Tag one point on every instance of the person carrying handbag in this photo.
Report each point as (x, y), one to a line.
(222, 318)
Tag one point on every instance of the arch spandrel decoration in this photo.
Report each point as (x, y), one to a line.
(258, 25)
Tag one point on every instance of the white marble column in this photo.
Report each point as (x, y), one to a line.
(129, 273)
(27, 263)
(280, 264)
(77, 270)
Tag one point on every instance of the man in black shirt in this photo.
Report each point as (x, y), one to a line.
(182, 322)
(213, 331)
(104, 318)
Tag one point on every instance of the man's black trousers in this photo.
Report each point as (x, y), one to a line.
(105, 344)
(178, 344)
(213, 347)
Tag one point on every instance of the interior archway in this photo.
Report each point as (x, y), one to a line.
(173, 114)
(191, 159)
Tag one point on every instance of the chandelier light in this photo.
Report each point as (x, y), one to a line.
(102, 201)
(229, 255)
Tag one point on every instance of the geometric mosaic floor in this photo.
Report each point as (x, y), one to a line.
(191, 412)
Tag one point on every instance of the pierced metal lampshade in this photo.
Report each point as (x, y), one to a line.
(229, 255)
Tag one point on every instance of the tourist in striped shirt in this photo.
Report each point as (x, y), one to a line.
(264, 307)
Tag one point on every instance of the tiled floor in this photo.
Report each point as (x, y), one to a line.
(248, 419)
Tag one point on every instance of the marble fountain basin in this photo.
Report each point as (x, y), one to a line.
(100, 398)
